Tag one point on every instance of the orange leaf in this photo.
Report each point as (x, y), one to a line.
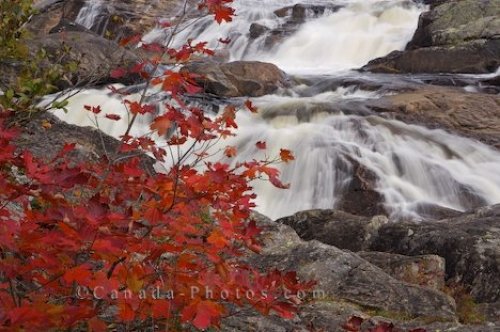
(80, 274)
(97, 325)
(230, 151)
(161, 124)
(286, 155)
(217, 239)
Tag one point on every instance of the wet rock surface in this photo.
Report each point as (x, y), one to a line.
(474, 115)
(239, 78)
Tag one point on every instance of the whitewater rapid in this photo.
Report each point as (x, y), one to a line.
(414, 166)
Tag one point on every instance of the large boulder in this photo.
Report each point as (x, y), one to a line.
(96, 57)
(44, 135)
(335, 227)
(239, 78)
(85, 59)
(477, 56)
(455, 22)
(453, 37)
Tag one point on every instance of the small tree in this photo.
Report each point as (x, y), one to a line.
(90, 244)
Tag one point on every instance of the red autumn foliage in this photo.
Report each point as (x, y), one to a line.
(92, 243)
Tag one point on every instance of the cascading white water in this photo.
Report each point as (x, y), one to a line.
(348, 38)
(89, 13)
(346, 35)
(414, 166)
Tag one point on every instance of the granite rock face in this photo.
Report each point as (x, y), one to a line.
(347, 285)
(469, 243)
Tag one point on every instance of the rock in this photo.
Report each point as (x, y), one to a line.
(473, 115)
(469, 243)
(360, 197)
(257, 30)
(435, 212)
(474, 57)
(455, 22)
(453, 37)
(96, 57)
(301, 11)
(45, 135)
(425, 270)
(335, 227)
(51, 13)
(65, 25)
(490, 312)
(350, 283)
(93, 56)
(239, 78)
(495, 81)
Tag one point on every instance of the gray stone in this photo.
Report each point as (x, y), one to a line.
(257, 30)
(424, 270)
(475, 57)
(335, 227)
(469, 243)
(345, 277)
(455, 22)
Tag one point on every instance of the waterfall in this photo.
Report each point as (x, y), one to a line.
(343, 35)
(89, 14)
(414, 166)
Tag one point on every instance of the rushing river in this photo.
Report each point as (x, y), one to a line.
(414, 166)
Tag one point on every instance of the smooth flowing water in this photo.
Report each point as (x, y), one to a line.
(89, 14)
(414, 166)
